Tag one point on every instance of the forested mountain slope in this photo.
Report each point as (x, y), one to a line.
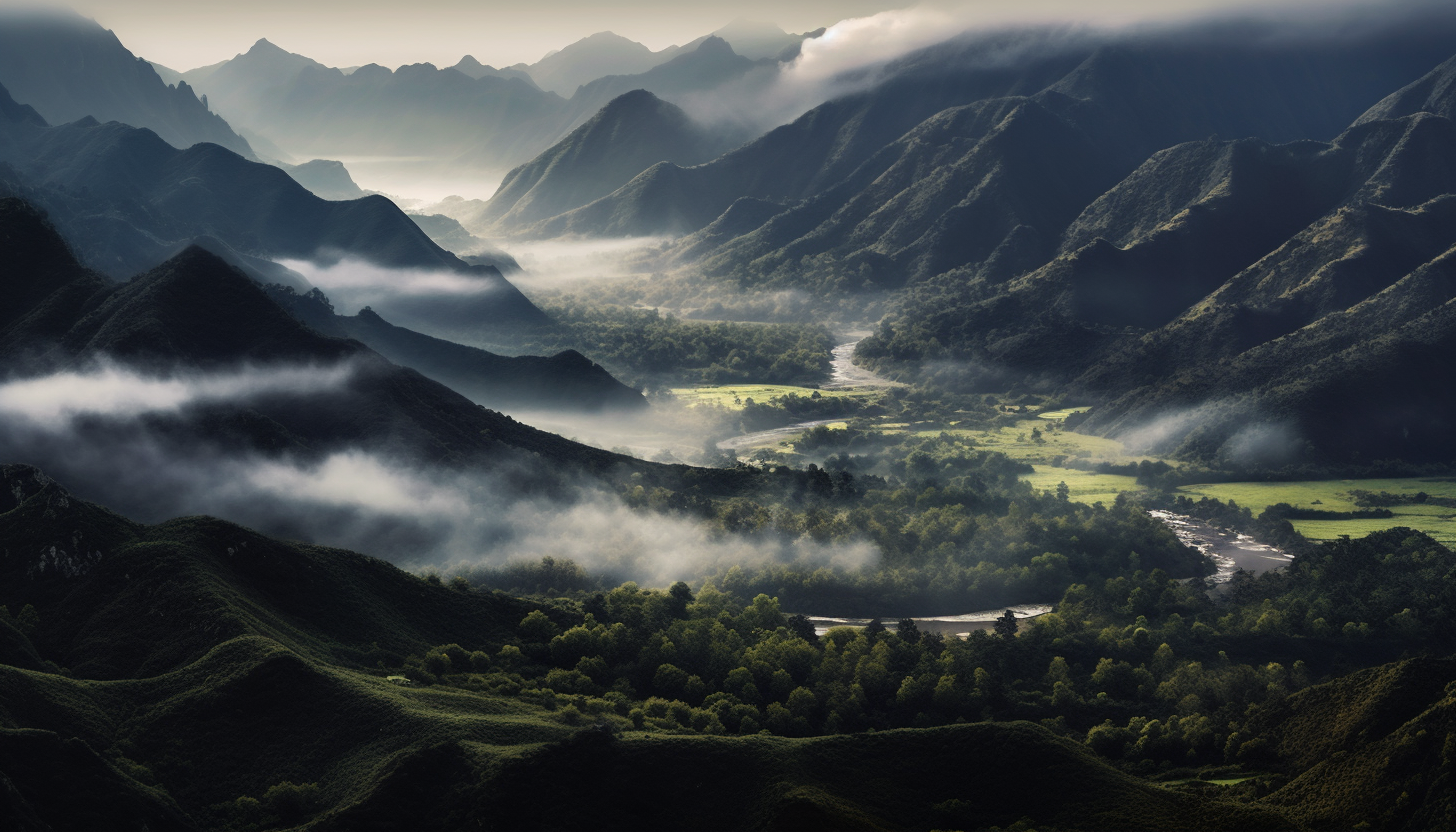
(1128, 95)
(1246, 300)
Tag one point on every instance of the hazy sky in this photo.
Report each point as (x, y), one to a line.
(183, 34)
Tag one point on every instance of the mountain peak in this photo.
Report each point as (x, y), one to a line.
(713, 43)
(266, 47)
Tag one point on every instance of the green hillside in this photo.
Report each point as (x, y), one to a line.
(234, 663)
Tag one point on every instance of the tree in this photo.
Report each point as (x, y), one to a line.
(1006, 625)
(803, 628)
(681, 595)
(537, 627)
(874, 629)
(907, 630)
(28, 621)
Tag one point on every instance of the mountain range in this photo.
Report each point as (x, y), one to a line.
(565, 381)
(1072, 221)
(128, 201)
(630, 134)
(196, 313)
(1239, 301)
(68, 68)
(462, 114)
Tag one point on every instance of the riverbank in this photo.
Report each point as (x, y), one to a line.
(1229, 551)
(959, 626)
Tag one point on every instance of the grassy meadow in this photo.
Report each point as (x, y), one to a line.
(1334, 495)
(736, 396)
(1051, 448)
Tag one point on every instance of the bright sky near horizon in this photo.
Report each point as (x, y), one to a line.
(184, 34)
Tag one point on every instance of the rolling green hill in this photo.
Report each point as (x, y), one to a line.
(208, 667)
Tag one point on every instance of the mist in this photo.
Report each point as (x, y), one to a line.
(109, 389)
(559, 264)
(147, 455)
(854, 55)
(1234, 429)
(416, 180)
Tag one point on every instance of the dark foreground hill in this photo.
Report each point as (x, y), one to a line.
(1371, 750)
(217, 679)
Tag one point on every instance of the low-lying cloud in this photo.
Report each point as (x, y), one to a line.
(113, 390)
(853, 54)
(361, 279)
(136, 453)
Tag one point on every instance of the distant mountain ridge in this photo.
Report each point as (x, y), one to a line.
(195, 311)
(68, 68)
(630, 134)
(127, 201)
(462, 115)
(565, 381)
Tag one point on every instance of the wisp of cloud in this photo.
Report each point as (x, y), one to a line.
(112, 390)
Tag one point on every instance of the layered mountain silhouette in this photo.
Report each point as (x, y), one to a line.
(592, 57)
(308, 109)
(127, 200)
(606, 53)
(467, 115)
(69, 68)
(475, 69)
(325, 179)
(197, 313)
(1127, 98)
(566, 381)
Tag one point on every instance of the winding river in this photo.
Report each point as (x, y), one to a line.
(1229, 551)
(843, 375)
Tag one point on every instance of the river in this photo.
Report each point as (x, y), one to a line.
(1229, 551)
(843, 375)
(950, 625)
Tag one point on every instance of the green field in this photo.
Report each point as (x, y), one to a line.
(1016, 441)
(735, 396)
(1049, 457)
(1084, 486)
(1059, 415)
(1333, 495)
